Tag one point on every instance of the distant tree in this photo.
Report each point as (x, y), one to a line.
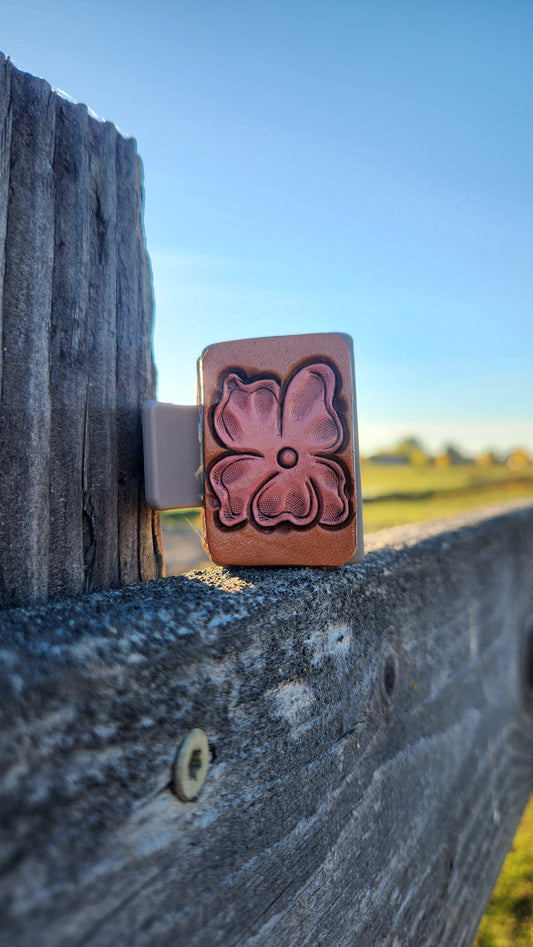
(413, 450)
(450, 456)
(419, 457)
(408, 444)
(486, 459)
(518, 458)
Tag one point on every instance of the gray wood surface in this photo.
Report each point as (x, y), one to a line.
(75, 360)
(371, 736)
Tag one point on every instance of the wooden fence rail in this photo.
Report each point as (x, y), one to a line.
(371, 743)
(369, 728)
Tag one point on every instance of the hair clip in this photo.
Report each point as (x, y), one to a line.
(270, 452)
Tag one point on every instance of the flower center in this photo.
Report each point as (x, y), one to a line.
(287, 457)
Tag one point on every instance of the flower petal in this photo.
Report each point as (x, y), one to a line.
(329, 480)
(286, 498)
(247, 417)
(309, 420)
(235, 479)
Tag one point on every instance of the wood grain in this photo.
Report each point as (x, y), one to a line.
(371, 737)
(26, 308)
(76, 362)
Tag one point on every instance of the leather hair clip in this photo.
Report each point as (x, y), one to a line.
(270, 453)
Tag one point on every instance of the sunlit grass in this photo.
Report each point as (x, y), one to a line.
(395, 512)
(383, 479)
(174, 519)
(508, 920)
(395, 495)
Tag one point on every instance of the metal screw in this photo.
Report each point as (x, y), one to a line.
(190, 768)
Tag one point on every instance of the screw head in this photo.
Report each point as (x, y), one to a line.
(190, 767)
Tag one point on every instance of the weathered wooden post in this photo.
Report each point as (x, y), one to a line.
(75, 361)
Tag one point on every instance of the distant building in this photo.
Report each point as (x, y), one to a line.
(407, 451)
(384, 457)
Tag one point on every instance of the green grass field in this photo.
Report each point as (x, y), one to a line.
(382, 479)
(394, 495)
(508, 920)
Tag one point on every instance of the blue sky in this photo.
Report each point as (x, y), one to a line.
(364, 167)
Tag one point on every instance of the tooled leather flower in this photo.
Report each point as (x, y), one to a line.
(281, 467)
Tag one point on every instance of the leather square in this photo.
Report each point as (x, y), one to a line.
(280, 455)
